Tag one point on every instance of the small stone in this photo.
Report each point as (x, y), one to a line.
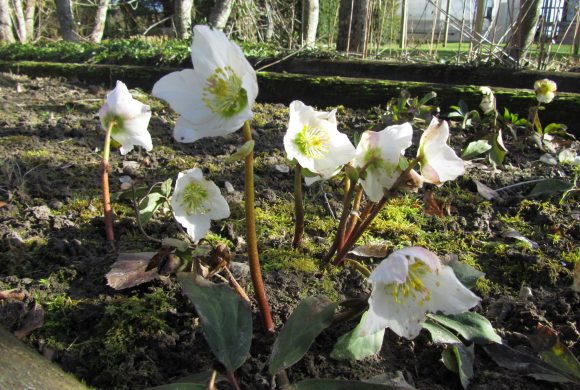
(229, 187)
(241, 271)
(55, 204)
(41, 213)
(282, 168)
(526, 293)
(131, 168)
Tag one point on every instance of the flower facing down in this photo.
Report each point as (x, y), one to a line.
(438, 161)
(379, 153)
(129, 118)
(408, 284)
(313, 140)
(545, 90)
(214, 98)
(196, 201)
(487, 101)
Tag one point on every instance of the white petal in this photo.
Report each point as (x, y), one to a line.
(309, 180)
(393, 269)
(219, 206)
(448, 295)
(440, 163)
(373, 186)
(426, 256)
(209, 46)
(393, 141)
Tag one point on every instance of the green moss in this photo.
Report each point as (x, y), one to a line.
(287, 259)
(37, 155)
(572, 257)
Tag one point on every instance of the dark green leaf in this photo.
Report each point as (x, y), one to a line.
(166, 187)
(525, 364)
(467, 275)
(337, 384)
(472, 326)
(463, 108)
(428, 96)
(311, 317)
(549, 187)
(440, 334)
(556, 129)
(459, 358)
(475, 148)
(498, 149)
(547, 343)
(351, 346)
(226, 319)
(149, 205)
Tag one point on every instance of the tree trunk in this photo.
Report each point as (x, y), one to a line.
(352, 25)
(29, 12)
(220, 13)
(310, 13)
(527, 22)
(20, 22)
(6, 34)
(182, 18)
(100, 20)
(66, 20)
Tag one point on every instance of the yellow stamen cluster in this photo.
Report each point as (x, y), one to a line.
(313, 142)
(413, 286)
(223, 93)
(194, 199)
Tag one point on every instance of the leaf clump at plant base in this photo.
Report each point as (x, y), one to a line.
(52, 248)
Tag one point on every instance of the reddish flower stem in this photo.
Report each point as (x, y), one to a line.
(298, 208)
(107, 210)
(253, 258)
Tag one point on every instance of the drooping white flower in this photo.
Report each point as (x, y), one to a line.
(214, 98)
(196, 201)
(438, 161)
(487, 101)
(380, 152)
(129, 117)
(408, 284)
(545, 90)
(314, 141)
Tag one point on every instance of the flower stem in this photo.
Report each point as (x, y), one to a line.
(251, 236)
(232, 380)
(346, 207)
(107, 210)
(298, 208)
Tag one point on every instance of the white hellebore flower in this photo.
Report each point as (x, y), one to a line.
(314, 141)
(439, 162)
(487, 101)
(380, 153)
(129, 118)
(196, 201)
(545, 90)
(408, 284)
(214, 98)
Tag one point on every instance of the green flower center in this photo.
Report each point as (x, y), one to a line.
(313, 142)
(413, 286)
(374, 162)
(223, 93)
(194, 199)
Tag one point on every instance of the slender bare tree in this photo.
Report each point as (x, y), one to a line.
(66, 20)
(6, 33)
(352, 26)
(310, 14)
(20, 22)
(527, 22)
(29, 13)
(182, 18)
(220, 13)
(100, 20)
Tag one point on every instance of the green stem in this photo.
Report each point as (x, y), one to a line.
(298, 207)
(252, 239)
(107, 210)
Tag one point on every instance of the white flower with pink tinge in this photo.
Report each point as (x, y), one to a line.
(408, 284)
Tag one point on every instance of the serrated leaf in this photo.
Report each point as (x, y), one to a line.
(226, 319)
(472, 326)
(440, 334)
(149, 205)
(475, 148)
(549, 187)
(467, 275)
(459, 358)
(351, 346)
(337, 384)
(312, 316)
(243, 151)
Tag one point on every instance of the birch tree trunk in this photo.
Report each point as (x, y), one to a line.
(66, 20)
(100, 20)
(29, 12)
(527, 22)
(310, 14)
(220, 13)
(6, 33)
(182, 18)
(20, 22)
(352, 25)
